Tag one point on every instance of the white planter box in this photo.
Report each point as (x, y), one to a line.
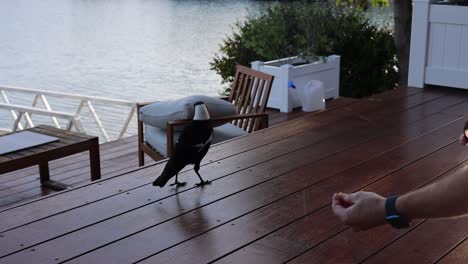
(284, 98)
(439, 45)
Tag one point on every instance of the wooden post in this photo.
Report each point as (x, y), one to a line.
(418, 49)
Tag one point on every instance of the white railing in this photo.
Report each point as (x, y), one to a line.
(74, 119)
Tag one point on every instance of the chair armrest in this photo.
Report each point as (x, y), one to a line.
(170, 133)
(141, 104)
(239, 116)
(174, 123)
(238, 121)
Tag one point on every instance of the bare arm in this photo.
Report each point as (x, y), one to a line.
(444, 198)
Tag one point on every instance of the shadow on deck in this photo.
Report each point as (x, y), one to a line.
(270, 197)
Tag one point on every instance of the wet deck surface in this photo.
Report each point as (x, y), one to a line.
(117, 157)
(269, 201)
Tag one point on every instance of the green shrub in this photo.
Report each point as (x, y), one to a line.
(368, 55)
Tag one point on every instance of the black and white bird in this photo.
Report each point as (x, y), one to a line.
(191, 148)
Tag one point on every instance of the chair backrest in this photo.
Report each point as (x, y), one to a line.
(249, 93)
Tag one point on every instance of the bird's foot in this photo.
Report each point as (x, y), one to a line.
(178, 184)
(202, 183)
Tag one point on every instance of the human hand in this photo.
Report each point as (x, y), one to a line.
(360, 210)
(463, 140)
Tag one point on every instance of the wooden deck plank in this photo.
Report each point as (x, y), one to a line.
(426, 242)
(242, 144)
(108, 167)
(228, 238)
(368, 144)
(41, 249)
(66, 172)
(301, 122)
(249, 225)
(70, 171)
(368, 132)
(355, 247)
(457, 255)
(345, 101)
(139, 196)
(83, 178)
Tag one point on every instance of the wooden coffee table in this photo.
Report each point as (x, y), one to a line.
(68, 143)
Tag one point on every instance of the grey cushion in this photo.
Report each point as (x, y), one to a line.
(157, 138)
(157, 114)
(227, 131)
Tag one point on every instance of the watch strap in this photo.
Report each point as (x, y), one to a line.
(392, 216)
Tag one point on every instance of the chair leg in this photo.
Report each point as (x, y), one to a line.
(141, 157)
(141, 154)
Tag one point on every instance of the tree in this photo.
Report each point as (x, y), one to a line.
(402, 12)
(402, 36)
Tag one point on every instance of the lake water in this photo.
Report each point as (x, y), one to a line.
(124, 49)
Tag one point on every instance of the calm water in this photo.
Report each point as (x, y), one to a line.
(124, 49)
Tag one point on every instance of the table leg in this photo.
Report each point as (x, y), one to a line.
(45, 178)
(95, 161)
(44, 171)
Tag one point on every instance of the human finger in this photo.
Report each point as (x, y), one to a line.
(347, 199)
(337, 208)
(463, 140)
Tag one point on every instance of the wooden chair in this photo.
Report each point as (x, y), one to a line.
(249, 93)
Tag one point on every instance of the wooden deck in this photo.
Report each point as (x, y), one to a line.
(117, 157)
(270, 197)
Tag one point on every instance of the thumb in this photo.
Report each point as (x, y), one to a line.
(347, 198)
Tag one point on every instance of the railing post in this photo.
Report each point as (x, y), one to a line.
(47, 106)
(29, 122)
(17, 122)
(127, 122)
(13, 113)
(96, 118)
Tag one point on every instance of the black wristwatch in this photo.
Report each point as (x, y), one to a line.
(392, 216)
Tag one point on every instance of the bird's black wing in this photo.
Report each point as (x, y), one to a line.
(183, 149)
(177, 161)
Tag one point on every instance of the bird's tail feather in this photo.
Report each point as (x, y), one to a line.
(161, 180)
(168, 172)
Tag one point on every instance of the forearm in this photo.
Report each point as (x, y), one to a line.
(445, 198)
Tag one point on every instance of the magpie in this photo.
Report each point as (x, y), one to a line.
(191, 148)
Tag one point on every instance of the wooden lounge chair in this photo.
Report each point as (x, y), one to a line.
(249, 94)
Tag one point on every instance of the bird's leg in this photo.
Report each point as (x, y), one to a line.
(202, 182)
(177, 183)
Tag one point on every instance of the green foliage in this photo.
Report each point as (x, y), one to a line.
(368, 54)
(233, 51)
(368, 63)
(363, 4)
